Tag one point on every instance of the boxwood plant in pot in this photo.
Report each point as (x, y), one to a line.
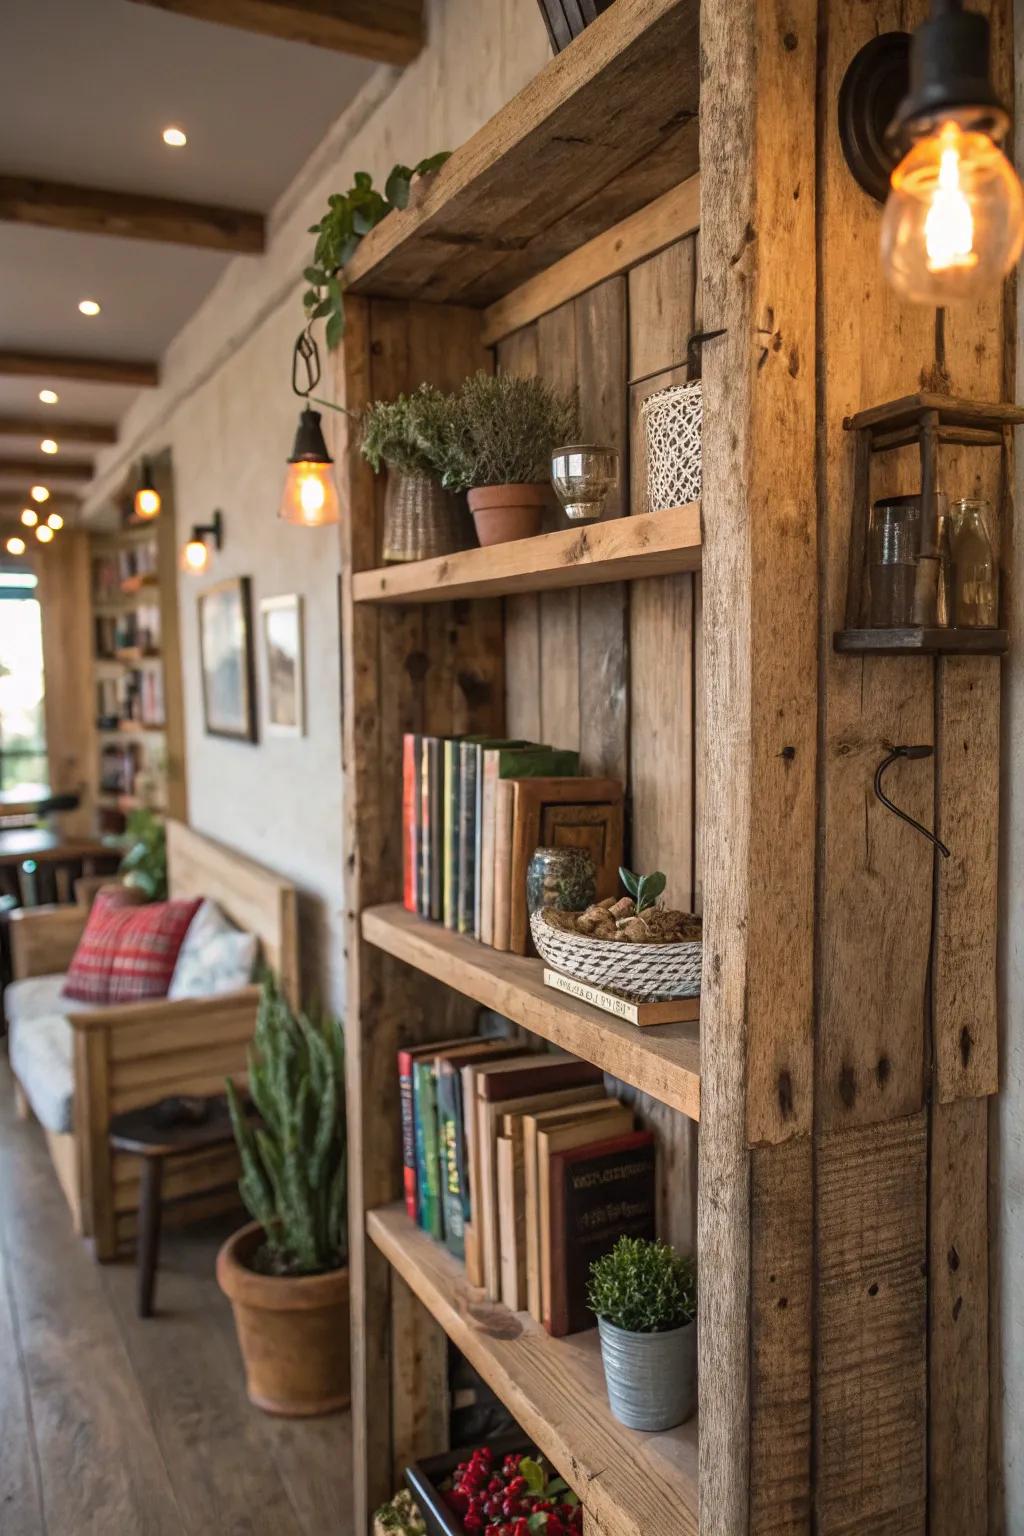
(645, 1297)
(285, 1274)
(410, 435)
(503, 431)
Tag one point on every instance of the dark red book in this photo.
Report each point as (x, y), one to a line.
(598, 1194)
(541, 1074)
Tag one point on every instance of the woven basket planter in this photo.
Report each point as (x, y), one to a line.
(421, 520)
(672, 425)
(649, 973)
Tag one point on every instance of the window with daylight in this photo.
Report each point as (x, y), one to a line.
(22, 731)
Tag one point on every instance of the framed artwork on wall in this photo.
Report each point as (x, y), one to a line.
(226, 659)
(283, 652)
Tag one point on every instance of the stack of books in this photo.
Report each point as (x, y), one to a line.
(525, 1168)
(475, 808)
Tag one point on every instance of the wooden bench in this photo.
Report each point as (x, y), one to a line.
(132, 1054)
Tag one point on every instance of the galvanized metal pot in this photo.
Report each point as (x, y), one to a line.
(651, 1377)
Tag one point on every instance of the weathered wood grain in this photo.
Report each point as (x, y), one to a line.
(871, 1365)
(958, 1319)
(390, 32)
(757, 258)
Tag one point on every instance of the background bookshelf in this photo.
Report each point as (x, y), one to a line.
(139, 725)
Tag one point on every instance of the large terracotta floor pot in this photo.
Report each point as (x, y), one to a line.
(505, 512)
(293, 1332)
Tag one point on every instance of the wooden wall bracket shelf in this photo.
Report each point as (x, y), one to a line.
(927, 420)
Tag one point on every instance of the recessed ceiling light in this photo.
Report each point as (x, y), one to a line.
(175, 137)
(30, 517)
(48, 445)
(49, 396)
(15, 546)
(40, 493)
(44, 534)
(88, 306)
(55, 520)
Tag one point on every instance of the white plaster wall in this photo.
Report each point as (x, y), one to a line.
(225, 409)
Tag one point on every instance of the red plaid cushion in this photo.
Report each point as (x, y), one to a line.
(127, 952)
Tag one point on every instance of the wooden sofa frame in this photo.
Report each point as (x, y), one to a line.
(136, 1053)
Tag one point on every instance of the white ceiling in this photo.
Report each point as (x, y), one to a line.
(86, 87)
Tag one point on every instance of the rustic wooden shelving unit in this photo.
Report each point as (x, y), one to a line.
(634, 1484)
(844, 1374)
(663, 1062)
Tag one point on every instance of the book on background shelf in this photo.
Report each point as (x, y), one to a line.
(566, 1137)
(430, 858)
(553, 812)
(428, 1181)
(597, 1194)
(466, 880)
(598, 1117)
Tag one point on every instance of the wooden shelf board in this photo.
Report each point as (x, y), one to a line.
(921, 642)
(632, 1484)
(578, 150)
(621, 549)
(661, 1060)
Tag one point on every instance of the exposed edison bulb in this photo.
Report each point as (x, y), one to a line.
(44, 533)
(310, 495)
(55, 521)
(40, 493)
(147, 502)
(29, 517)
(195, 557)
(954, 220)
(15, 545)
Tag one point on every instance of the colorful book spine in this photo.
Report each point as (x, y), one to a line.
(451, 1159)
(435, 827)
(450, 801)
(409, 818)
(405, 1089)
(423, 861)
(467, 836)
(428, 1182)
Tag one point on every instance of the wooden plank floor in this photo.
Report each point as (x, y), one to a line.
(111, 1426)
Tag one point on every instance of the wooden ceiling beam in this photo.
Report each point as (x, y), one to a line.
(388, 31)
(62, 428)
(48, 469)
(97, 370)
(132, 215)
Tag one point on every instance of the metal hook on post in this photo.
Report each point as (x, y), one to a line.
(912, 753)
(694, 352)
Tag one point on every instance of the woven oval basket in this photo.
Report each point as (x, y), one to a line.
(650, 973)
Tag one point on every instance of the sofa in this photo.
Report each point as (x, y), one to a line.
(76, 1065)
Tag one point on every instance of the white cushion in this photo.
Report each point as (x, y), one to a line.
(42, 1059)
(216, 957)
(39, 995)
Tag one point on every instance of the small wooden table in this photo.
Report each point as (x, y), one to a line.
(140, 1134)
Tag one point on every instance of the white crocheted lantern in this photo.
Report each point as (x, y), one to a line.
(672, 422)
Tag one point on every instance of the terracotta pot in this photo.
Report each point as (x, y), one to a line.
(293, 1333)
(506, 512)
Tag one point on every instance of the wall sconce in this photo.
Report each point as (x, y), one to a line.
(954, 210)
(195, 555)
(147, 497)
(310, 495)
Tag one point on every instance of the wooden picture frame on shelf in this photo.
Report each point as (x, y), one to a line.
(227, 660)
(282, 645)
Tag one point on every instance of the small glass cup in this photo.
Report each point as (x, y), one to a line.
(975, 568)
(582, 475)
(894, 546)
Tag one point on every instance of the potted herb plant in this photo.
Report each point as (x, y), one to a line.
(410, 436)
(645, 1297)
(144, 866)
(502, 434)
(285, 1274)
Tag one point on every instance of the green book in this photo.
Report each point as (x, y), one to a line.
(450, 776)
(428, 1184)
